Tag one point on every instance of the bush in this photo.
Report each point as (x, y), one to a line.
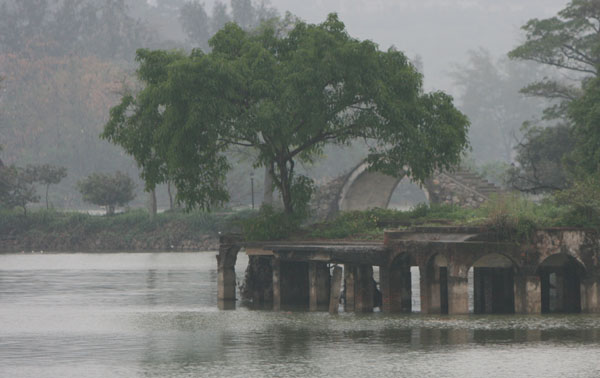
(583, 201)
(270, 224)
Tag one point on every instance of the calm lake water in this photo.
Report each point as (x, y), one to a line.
(155, 315)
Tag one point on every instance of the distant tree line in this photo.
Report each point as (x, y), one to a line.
(17, 185)
(554, 158)
(65, 63)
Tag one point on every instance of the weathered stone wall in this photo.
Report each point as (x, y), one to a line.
(444, 189)
(361, 189)
(324, 204)
(258, 281)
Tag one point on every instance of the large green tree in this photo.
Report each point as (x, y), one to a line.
(569, 43)
(286, 95)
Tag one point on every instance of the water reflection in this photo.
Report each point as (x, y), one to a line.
(156, 315)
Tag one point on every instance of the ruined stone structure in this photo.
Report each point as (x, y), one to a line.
(362, 189)
(557, 270)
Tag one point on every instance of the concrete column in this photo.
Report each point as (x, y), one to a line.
(424, 279)
(318, 281)
(590, 295)
(349, 286)
(226, 259)
(458, 289)
(276, 266)
(363, 300)
(434, 289)
(384, 284)
(528, 293)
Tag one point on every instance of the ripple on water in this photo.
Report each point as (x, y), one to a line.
(155, 315)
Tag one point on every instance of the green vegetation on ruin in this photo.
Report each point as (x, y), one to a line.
(511, 216)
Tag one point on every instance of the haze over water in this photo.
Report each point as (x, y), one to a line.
(155, 315)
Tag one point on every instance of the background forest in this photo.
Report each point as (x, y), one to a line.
(64, 63)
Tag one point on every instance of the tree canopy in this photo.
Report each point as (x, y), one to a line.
(16, 188)
(569, 42)
(285, 94)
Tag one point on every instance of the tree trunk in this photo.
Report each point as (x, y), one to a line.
(47, 206)
(268, 183)
(286, 187)
(153, 203)
(170, 195)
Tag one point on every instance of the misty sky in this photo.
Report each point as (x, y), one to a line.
(441, 31)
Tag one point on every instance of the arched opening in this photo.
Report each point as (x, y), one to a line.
(400, 284)
(560, 277)
(437, 285)
(407, 195)
(492, 281)
(366, 190)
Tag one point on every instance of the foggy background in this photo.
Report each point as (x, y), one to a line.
(64, 63)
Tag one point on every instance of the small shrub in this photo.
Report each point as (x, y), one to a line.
(513, 217)
(270, 224)
(583, 202)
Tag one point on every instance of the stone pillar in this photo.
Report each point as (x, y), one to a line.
(426, 307)
(384, 284)
(458, 289)
(319, 281)
(276, 267)
(528, 293)
(363, 298)
(349, 286)
(226, 259)
(258, 281)
(434, 289)
(590, 295)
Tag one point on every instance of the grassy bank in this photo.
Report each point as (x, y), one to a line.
(129, 231)
(510, 216)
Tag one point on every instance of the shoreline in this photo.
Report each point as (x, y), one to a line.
(101, 252)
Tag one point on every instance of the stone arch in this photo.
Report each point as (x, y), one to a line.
(493, 283)
(561, 278)
(364, 189)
